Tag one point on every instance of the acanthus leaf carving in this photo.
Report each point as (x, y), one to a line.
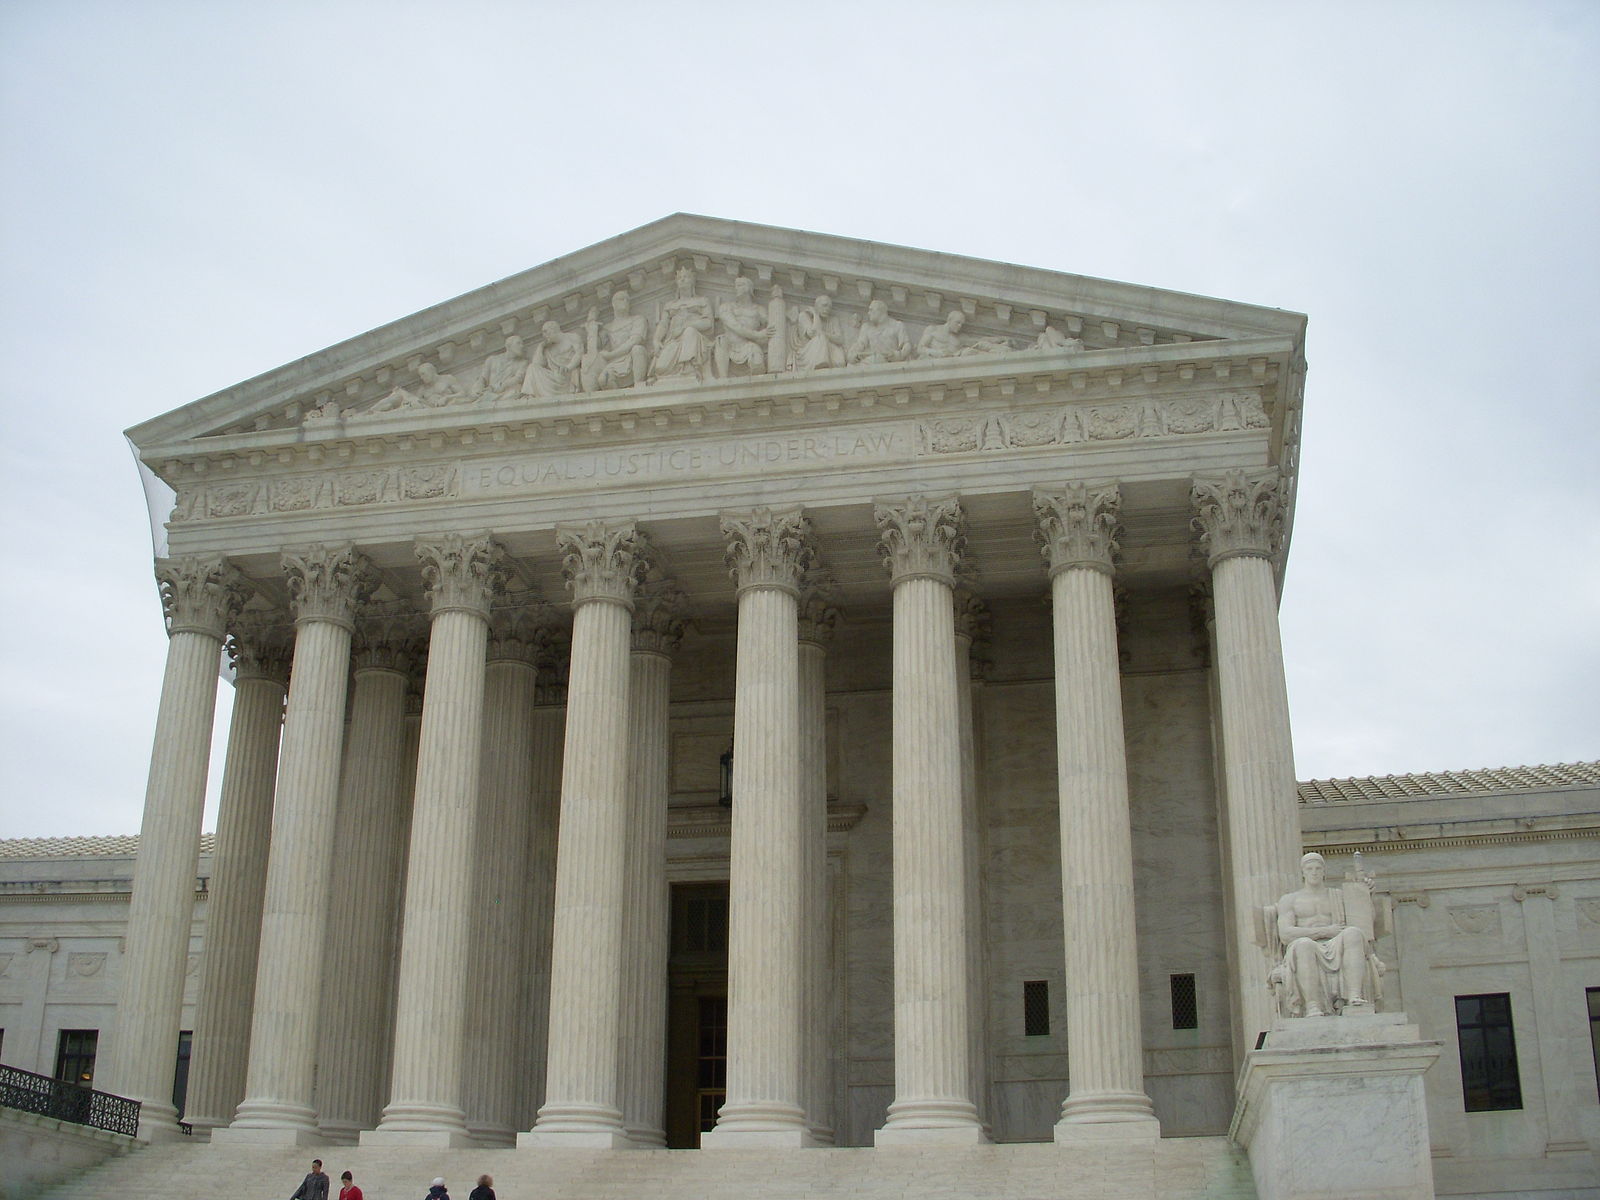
(328, 582)
(818, 614)
(522, 629)
(660, 611)
(462, 572)
(1239, 514)
(921, 538)
(1077, 525)
(387, 638)
(767, 548)
(261, 645)
(603, 560)
(200, 595)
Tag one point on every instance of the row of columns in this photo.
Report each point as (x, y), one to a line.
(607, 911)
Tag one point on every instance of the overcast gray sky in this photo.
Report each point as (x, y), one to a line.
(197, 192)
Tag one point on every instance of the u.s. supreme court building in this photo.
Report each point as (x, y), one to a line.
(760, 691)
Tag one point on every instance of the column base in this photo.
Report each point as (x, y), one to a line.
(1107, 1116)
(1359, 1074)
(433, 1139)
(1088, 1129)
(575, 1139)
(340, 1133)
(793, 1138)
(930, 1135)
(264, 1135)
(158, 1123)
(647, 1139)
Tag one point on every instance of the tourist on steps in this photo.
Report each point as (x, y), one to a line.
(437, 1191)
(347, 1187)
(314, 1186)
(484, 1190)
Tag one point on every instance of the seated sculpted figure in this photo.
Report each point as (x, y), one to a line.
(555, 367)
(616, 356)
(820, 338)
(683, 333)
(745, 332)
(942, 341)
(435, 391)
(1328, 962)
(502, 374)
(882, 339)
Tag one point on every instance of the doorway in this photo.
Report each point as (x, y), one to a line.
(697, 1011)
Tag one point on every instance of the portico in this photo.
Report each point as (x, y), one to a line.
(462, 917)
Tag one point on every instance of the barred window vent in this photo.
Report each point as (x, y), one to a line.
(1036, 1007)
(1185, 1008)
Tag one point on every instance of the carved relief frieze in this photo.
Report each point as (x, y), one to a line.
(1475, 920)
(1588, 908)
(85, 966)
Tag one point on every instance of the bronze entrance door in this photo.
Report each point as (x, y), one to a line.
(697, 1011)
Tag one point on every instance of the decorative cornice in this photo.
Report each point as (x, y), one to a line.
(462, 572)
(328, 583)
(767, 549)
(1078, 526)
(387, 638)
(522, 630)
(819, 613)
(261, 645)
(603, 560)
(200, 595)
(1239, 514)
(659, 609)
(922, 538)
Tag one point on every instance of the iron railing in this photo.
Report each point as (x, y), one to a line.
(67, 1101)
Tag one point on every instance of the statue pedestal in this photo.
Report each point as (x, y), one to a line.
(1332, 1107)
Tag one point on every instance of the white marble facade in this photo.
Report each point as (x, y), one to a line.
(993, 549)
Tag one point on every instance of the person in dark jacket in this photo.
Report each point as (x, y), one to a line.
(437, 1191)
(314, 1186)
(484, 1190)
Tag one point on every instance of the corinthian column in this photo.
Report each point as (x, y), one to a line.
(1241, 524)
(603, 565)
(922, 541)
(326, 586)
(518, 638)
(260, 647)
(767, 554)
(354, 1040)
(1106, 1098)
(817, 618)
(199, 597)
(657, 630)
(462, 574)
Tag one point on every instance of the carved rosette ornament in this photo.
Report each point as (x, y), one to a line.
(1078, 526)
(921, 538)
(462, 572)
(387, 638)
(818, 614)
(200, 595)
(328, 583)
(658, 617)
(1239, 514)
(521, 630)
(261, 645)
(767, 549)
(603, 560)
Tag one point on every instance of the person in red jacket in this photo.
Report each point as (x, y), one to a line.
(347, 1187)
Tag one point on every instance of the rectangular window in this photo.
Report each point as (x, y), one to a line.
(712, 1069)
(1036, 1007)
(75, 1055)
(1594, 1030)
(700, 918)
(1185, 1008)
(1489, 1079)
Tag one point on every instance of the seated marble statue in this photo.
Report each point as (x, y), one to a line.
(683, 334)
(555, 367)
(616, 355)
(820, 337)
(436, 390)
(1326, 937)
(1053, 339)
(742, 344)
(502, 374)
(881, 339)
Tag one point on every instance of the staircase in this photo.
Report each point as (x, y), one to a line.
(1171, 1169)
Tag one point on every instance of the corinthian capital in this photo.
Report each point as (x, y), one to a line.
(522, 630)
(1078, 525)
(328, 583)
(921, 538)
(261, 645)
(768, 549)
(658, 617)
(1239, 514)
(603, 560)
(387, 638)
(200, 595)
(462, 572)
(818, 610)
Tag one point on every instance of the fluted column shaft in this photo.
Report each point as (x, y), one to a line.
(816, 916)
(763, 1106)
(582, 1105)
(238, 880)
(494, 1010)
(1241, 518)
(326, 584)
(200, 597)
(645, 916)
(933, 1101)
(463, 574)
(549, 724)
(363, 913)
(970, 614)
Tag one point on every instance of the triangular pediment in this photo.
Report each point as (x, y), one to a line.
(681, 277)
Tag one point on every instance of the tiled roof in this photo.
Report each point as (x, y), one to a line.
(1449, 783)
(114, 846)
